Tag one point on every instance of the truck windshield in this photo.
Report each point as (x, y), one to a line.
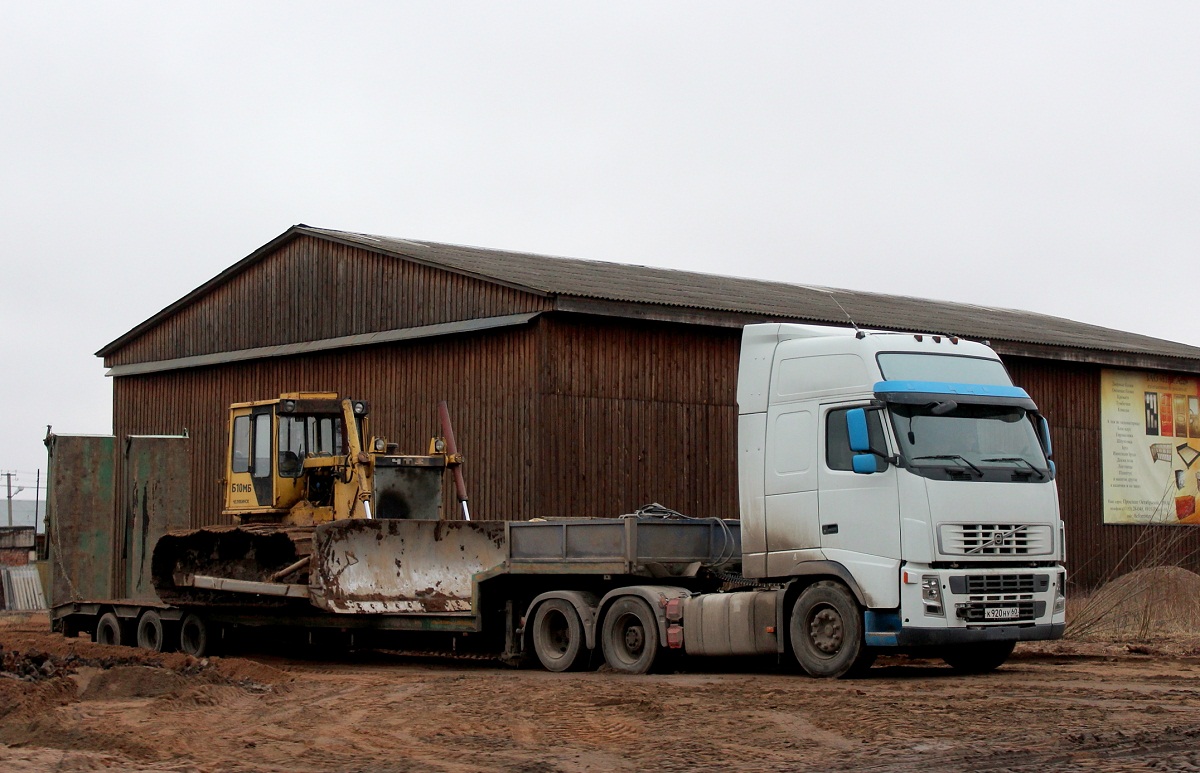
(975, 441)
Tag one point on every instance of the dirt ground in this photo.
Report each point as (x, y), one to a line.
(72, 705)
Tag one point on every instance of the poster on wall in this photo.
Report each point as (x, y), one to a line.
(1150, 445)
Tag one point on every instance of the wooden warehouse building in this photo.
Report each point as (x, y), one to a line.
(576, 387)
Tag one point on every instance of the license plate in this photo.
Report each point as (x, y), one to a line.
(1001, 613)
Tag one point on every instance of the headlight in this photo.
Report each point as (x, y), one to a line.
(380, 445)
(931, 595)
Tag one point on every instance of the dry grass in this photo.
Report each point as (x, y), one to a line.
(1139, 606)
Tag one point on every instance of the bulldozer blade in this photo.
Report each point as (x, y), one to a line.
(402, 566)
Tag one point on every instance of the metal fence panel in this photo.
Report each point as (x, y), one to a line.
(22, 588)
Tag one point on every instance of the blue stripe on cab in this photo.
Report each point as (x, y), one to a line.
(945, 388)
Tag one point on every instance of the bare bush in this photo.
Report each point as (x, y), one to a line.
(1155, 601)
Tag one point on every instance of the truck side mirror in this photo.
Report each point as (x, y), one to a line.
(856, 428)
(864, 464)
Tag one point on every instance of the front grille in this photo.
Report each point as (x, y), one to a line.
(998, 584)
(995, 539)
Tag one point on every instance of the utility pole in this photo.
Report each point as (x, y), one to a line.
(8, 476)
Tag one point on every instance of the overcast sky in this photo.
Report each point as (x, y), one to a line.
(1041, 156)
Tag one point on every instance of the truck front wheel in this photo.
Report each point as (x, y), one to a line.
(979, 658)
(629, 636)
(827, 632)
(558, 636)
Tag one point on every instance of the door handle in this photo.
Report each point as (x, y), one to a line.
(829, 528)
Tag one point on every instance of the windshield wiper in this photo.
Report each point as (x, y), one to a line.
(956, 457)
(1041, 475)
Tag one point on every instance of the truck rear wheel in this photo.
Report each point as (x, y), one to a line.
(150, 631)
(979, 658)
(194, 635)
(629, 636)
(108, 630)
(827, 632)
(558, 636)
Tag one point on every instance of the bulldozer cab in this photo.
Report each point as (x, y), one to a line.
(305, 458)
(279, 448)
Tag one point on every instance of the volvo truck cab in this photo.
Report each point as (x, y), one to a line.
(910, 470)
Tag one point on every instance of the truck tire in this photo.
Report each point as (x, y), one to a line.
(108, 630)
(194, 635)
(150, 632)
(629, 636)
(980, 658)
(558, 636)
(827, 632)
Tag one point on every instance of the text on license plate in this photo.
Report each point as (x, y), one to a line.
(1001, 613)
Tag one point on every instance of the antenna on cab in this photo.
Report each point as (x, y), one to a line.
(858, 333)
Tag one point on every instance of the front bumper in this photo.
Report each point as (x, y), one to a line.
(926, 637)
(966, 602)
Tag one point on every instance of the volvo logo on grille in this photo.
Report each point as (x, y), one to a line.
(998, 539)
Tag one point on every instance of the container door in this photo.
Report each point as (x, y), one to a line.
(158, 479)
(80, 508)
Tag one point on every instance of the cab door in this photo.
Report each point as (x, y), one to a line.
(262, 473)
(239, 488)
(859, 513)
(250, 479)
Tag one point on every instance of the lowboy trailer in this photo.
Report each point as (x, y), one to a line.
(897, 495)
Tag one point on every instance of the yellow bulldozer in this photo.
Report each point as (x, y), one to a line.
(308, 458)
(293, 462)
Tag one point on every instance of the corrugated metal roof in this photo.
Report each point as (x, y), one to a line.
(660, 287)
(687, 289)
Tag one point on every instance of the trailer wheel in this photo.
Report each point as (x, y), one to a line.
(108, 630)
(827, 632)
(194, 635)
(980, 658)
(558, 636)
(630, 636)
(150, 632)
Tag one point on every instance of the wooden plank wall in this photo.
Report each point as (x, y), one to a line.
(635, 412)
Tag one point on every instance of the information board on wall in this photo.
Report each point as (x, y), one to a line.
(1150, 445)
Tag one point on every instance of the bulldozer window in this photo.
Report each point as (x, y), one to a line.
(291, 446)
(241, 444)
(324, 436)
(262, 446)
